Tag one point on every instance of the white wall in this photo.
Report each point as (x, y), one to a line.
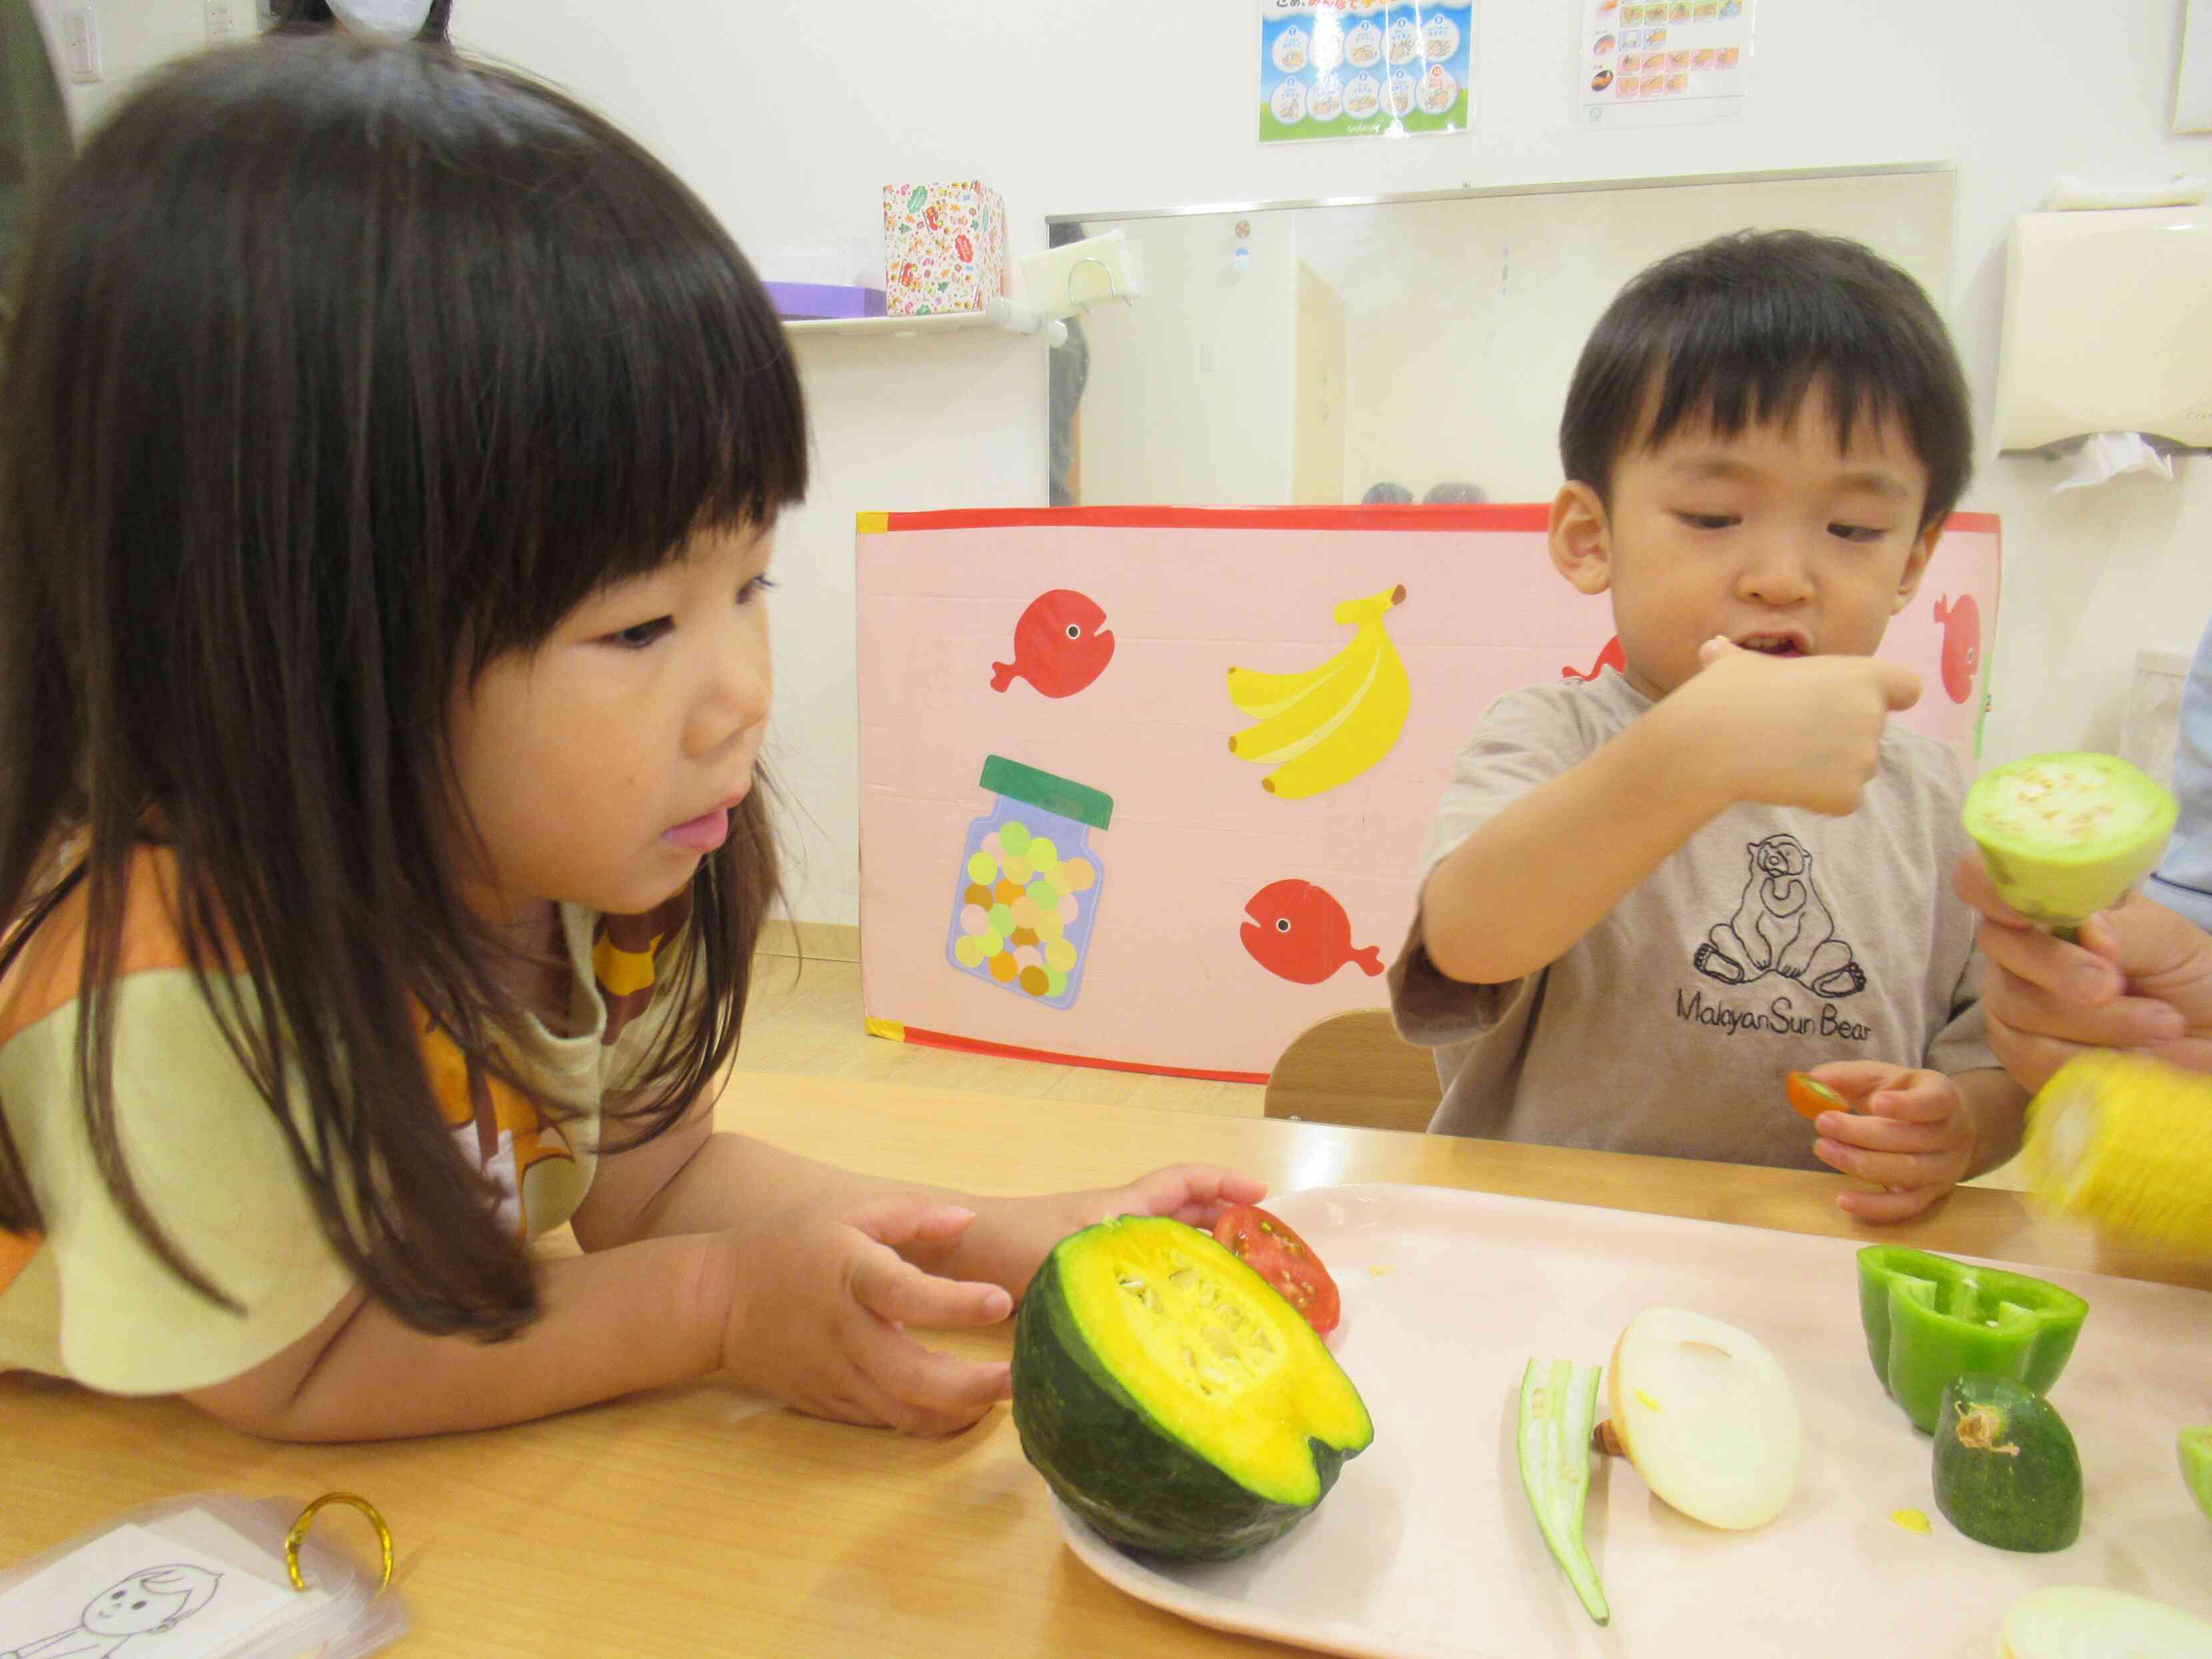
(788, 120)
(1219, 419)
(1464, 379)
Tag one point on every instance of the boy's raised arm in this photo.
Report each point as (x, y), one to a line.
(1512, 897)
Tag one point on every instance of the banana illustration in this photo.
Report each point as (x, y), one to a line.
(1328, 725)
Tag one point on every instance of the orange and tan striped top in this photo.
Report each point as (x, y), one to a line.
(90, 1300)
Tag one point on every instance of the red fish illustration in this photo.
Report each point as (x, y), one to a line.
(1059, 646)
(1298, 931)
(1962, 644)
(1611, 657)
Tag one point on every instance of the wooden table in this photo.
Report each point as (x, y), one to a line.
(697, 1520)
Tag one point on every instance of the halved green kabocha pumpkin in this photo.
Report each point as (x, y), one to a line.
(1172, 1398)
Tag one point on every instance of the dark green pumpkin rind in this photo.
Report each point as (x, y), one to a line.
(2030, 1501)
(1111, 1462)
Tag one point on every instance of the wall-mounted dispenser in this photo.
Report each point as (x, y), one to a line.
(2107, 327)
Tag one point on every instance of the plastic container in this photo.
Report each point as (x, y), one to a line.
(1026, 890)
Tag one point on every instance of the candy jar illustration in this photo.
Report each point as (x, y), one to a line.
(1025, 897)
(1962, 644)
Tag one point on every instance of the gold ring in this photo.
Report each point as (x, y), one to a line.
(295, 1538)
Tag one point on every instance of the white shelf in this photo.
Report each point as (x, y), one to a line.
(996, 314)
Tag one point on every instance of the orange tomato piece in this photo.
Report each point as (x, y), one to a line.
(1809, 1097)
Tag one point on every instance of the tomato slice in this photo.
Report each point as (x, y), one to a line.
(1809, 1097)
(1265, 1243)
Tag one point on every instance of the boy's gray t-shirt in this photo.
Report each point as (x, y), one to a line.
(1774, 940)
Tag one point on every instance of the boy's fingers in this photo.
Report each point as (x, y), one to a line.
(1887, 1169)
(1853, 1079)
(897, 1291)
(1715, 648)
(1920, 1103)
(1886, 1206)
(1883, 1134)
(1900, 686)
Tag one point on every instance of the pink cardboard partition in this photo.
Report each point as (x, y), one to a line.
(1145, 788)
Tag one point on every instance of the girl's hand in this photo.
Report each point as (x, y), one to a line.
(819, 1298)
(1911, 1134)
(1013, 1236)
(1192, 1193)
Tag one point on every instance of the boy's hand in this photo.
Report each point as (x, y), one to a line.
(1797, 732)
(819, 1298)
(1911, 1134)
(2141, 977)
(1013, 1236)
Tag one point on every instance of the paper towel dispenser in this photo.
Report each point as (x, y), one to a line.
(2107, 327)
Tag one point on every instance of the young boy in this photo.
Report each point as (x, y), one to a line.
(1649, 898)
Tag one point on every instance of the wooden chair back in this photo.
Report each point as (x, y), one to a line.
(1355, 1068)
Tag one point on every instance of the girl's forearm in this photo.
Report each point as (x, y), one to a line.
(732, 1179)
(639, 1316)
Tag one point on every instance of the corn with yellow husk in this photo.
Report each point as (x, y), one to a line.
(2124, 1142)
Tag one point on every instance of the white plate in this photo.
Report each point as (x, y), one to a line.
(1427, 1549)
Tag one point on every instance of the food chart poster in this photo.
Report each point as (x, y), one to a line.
(1663, 63)
(1363, 69)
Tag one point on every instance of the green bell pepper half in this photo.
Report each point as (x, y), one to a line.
(1930, 1319)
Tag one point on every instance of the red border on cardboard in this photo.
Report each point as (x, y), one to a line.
(1522, 516)
(1007, 1051)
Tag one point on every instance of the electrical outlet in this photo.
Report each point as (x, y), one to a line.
(221, 16)
(80, 43)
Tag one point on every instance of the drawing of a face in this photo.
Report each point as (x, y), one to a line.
(131, 1609)
(148, 1603)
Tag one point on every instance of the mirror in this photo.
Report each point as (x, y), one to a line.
(1406, 349)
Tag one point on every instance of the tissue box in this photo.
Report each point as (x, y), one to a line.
(945, 248)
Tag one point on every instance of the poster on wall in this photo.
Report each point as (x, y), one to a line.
(1147, 788)
(1364, 68)
(1663, 63)
(2193, 97)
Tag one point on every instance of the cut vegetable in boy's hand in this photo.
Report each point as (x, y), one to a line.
(1809, 1097)
(1906, 1130)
